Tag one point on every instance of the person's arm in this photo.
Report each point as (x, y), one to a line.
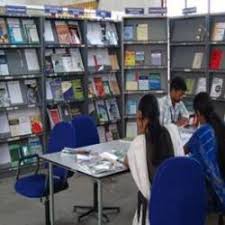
(184, 116)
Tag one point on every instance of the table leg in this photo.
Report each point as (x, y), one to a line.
(99, 202)
(51, 193)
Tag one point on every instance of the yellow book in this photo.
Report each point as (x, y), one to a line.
(142, 32)
(130, 58)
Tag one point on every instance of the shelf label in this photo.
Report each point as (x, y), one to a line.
(16, 10)
(135, 11)
(53, 9)
(76, 12)
(189, 10)
(103, 13)
(157, 10)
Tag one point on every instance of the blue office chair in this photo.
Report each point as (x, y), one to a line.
(36, 185)
(178, 194)
(86, 134)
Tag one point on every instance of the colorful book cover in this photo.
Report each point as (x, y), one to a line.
(114, 87)
(130, 58)
(54, 116)
(78, 89)
(201, 85)
(132, 81)
(142, 32)
(111, 34)
(4, 95)
(132, 106)
(15, 31)
(112, 109)
(31, 90)
(154, 81)
(4, 69)
(56, 89)
(3, 32)
(75, 33)
(35, 146)
(216, 59)
(139, 58)
(128, 33)
(67, 90)
(15, 154)
(101, 111)
(30, 29)
(190, 83)
(63, 32)
(216, 87)
(143, 82)
(99, 86)
(106, 85)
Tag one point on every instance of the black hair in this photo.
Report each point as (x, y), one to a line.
(158, 142)
(204, 105)
(178, 84)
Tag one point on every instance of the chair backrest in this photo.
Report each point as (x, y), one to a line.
(178, 194)
(85, 131)
(62, 135)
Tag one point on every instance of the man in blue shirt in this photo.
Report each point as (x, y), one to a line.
(172, 109)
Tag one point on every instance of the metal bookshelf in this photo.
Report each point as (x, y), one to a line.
(158, 40)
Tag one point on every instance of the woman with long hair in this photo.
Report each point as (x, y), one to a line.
(152, 146)
(207, 145)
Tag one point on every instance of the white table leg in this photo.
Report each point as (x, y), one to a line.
(51, 194)
(99, 202)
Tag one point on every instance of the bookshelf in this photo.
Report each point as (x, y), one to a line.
(103, 41)
(21, 90)
(189, 53)
(145, 64)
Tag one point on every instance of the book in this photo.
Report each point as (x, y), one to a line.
(31, 90)
(139, 58)
(34, 145)
(190, 83)
(114, 87)
(216, 87)
(111, 34)
(130, 58)
(201, 85)
(32, 60)
(49, 95)
(132, 106)
(15, 93)
(142, 32)
(128, 33)
(99, 87)
(4, 95)
(67, 90)
(30, 29)
(154, 81)
(74, 110)
(201, 33)
(143, 82)
(132, 81)
(63, 32)
(75, 33)
(197, 60)
(218, 31)
(3, 32)
(4, 70)
(112, 109)
(156, 58)
(48, 61)
(48, 34)
(92, 111)
(56, 89)
(91, 88)
(101, 134)
(15, 154)
(77, 62)
(114, 131)
(15, 31)
(5, 159)
(106, 85)
(114, 61)
(54, 116)
(216, 58)
(5, 129)
(68, 65)
(78, 89)
(58, 64)
(131, 129)
(35, 121)
(65, 112)
(101, 111)
(94, 33)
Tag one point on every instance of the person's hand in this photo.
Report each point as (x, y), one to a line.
(182, 122)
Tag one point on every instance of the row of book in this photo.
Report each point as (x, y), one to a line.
(137, 32)
(19, 61)
(138, 58)
(59, 113)
(104, 111)
(104, 85)
(64, 90)
(18, 92)
(196, 85)
(62, 60)
(20, 122)
(18, 31)
(62, 32)
(108, 133)
(12, 152)
(136, 80)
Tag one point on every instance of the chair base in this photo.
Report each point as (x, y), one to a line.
(93, 210)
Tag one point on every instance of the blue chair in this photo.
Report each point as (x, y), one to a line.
(36, 185)
(178, 194)
(86, 134)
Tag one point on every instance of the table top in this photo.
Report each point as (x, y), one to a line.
(93, 165)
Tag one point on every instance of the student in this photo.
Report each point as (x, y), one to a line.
(152, 145)
(207, 145)
(172, 109)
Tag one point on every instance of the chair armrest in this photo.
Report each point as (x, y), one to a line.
(22, 159)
